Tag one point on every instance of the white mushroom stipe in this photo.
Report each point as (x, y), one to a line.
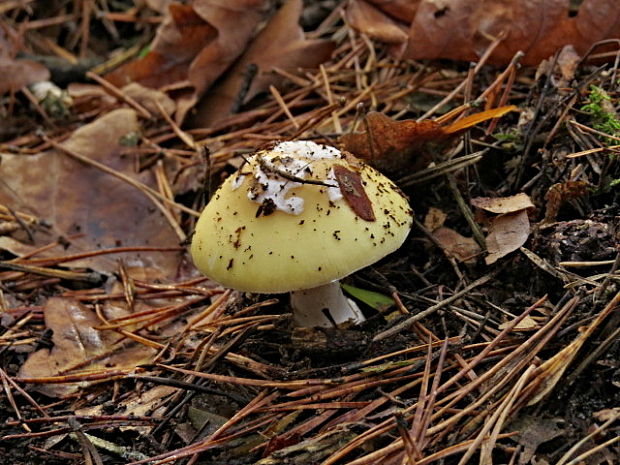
(311, 306)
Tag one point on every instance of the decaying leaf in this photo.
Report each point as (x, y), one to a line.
(463, 30)
(197, 43)
(281, 44)
(138, 404)
(403, 10)
(350, 183)
(507, 233)
(510, 229)
(501, 205)
(77, 198)
(560, 193)
(533, 432)
(17, 73)
(464, 249)
(151, 99)
(393, 146)
(78, 347)
(365, 17)
(434, 219)
(527, 323)
(178, 41)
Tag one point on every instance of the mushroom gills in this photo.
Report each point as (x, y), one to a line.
(324, 306)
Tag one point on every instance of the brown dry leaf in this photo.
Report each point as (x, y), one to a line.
(527, 323)
(138, 404)
(501, 205)
(568, 60)
(89, 97)
(372, 21)
(77, 198)
(507, 233)
(607, 414)
(179, 39)
(281, 44)
(196, 43)
(534, 431)
(19, 73)
(149, 98)
(78, 347)
(403, 10)
(434, 219)
(560, 193)
(393, 146)
(161, 6)
(464, 249)
(463, 30)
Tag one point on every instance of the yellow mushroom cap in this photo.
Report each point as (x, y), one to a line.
(294, 218)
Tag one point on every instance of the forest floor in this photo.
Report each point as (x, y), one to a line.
(492, 334)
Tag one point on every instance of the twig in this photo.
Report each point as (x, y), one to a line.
(423, 314)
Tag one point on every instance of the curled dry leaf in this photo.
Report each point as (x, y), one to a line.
(463, 30)
(196, 43)
(533, 431)
(434, 219)
(19, 73)
(77, 198)
(372, 21)
(78, 346)
(560, 193)
(393, 146)
(88, 97)
(280, 44)
(138, 403)
(500, 205)
(150, 98)
(463, 249)
(403, 10)
(526, 324)
(507, 233)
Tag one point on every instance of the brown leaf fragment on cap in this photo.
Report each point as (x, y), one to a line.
(350, 184)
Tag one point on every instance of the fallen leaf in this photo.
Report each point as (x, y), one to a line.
(77, 198)
(403, 10)
(500, 205)
(607, 414)
(534, 431)
(158, 5)
(138, 404)
(350, 184)
(463, 30)
(150, 98)
(78, 346)
(507, 233)
(434, 219)
(179, 39)
(89, 97)
(567, 63)
(560, 193)
(527, 323)
(393, 146)
(281, 44)
(367, 18)
(376, 300)
(196, 43)
(18, 73)
(463, 249)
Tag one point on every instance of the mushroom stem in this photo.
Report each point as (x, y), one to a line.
(311, 306)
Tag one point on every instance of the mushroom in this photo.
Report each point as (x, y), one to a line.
(297, 218)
